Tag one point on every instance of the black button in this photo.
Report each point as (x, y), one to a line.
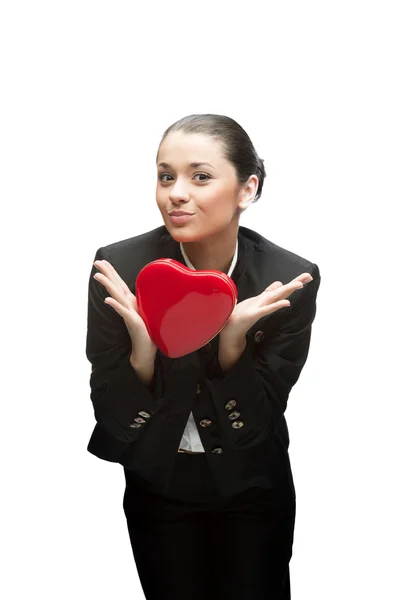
(259, 336)
(234, 415)
(230, 404)
(144, 414)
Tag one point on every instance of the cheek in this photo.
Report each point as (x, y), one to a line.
(160, 198)
(216, 201)
(219, 205)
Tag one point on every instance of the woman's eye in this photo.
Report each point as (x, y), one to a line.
(162, 175)
(168, 175)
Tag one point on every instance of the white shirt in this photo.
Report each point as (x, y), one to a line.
(191, 439)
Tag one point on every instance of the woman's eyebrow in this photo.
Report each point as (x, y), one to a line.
(193, 165)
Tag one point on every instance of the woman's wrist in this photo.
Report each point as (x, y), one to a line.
(144, 365)
(230, 351)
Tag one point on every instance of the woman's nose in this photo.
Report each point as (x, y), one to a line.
(178, 190)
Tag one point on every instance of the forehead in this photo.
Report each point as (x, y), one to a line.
(185, 148)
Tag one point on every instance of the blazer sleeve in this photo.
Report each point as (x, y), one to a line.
(262, 378)
(122, 404)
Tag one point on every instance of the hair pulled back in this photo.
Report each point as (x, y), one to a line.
(236, 145)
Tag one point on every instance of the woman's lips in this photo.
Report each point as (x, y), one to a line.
(180, 219)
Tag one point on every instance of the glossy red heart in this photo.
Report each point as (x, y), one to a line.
(183, 309)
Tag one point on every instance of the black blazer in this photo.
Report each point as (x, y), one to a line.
(141, 428)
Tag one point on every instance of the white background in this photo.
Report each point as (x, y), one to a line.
(88, 89)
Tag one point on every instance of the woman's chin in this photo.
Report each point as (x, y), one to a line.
(180, 234)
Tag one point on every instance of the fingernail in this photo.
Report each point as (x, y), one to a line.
(308, 279)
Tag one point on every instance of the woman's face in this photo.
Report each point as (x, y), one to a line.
(211, 192)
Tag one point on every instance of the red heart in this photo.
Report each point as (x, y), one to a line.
(183, 309)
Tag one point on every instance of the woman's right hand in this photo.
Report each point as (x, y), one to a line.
(125, 304)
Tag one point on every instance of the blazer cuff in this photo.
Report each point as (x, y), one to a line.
(125, 398)
(243, 420)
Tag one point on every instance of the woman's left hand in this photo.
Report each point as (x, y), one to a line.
(248, 312)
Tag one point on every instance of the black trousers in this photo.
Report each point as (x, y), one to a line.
(194, 545)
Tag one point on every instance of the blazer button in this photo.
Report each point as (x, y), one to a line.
(217, 451)
(234, 414)
(259, 336)
(205, 423)
(139, 420)
(198, 389)
(145, 414)
(134, 425)
(237, 424)
(230, 404)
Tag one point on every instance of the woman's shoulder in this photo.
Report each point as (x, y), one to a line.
(142, 240)
(130, 255)
(269, 252)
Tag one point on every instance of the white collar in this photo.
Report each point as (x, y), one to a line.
(191, 266)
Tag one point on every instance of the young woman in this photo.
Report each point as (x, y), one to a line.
(209, 498)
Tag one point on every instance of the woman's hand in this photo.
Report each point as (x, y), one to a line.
(125, 304)
(248, 312)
